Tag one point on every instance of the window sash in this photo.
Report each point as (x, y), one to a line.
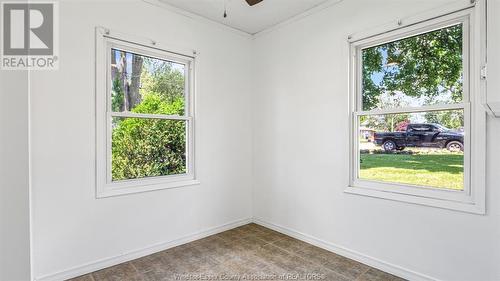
(109, 151)
(419, 190)
(459, 18)
(152, 53)
(462, 196)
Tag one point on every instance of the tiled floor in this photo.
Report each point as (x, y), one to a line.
(251, 251)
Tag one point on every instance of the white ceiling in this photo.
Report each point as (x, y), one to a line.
(245, 18)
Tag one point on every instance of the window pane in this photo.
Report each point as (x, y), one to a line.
(426, 69)
(147, 148)
(423, 149)
(142, 84)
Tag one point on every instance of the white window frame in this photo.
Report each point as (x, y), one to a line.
(472, 198)
(105, 41)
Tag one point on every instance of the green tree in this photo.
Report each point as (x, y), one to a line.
(451, 119)
(160, 77)
(388, 122)
(427, 65)
(117, 96)
(385, 123)
(372, 63)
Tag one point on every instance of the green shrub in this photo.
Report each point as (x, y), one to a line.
(149, 147)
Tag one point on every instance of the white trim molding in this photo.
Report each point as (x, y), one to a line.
(318, 8)
(197, 17)
(138, 253)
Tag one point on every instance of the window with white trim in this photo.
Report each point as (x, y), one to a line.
(417, 125)
(145, 116)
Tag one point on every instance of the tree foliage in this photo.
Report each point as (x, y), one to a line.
(117, 94)
(451, 119)
(372, 63)
(161, 78)
(426, 68)
(386, 123)
(427, 64)
(149, 147)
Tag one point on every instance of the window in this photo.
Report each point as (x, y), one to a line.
(417, 125)
(145, 116)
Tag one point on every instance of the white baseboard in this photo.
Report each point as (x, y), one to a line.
(111, 261)
(354, 255)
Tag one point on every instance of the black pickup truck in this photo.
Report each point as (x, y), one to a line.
(421, 135)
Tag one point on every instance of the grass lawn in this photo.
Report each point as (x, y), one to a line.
(436, 170)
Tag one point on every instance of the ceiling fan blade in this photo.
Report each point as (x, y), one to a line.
(253, 2)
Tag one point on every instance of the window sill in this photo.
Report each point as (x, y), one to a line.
(419, 200)
(140, 187)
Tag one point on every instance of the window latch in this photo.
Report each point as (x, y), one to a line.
(484, 72)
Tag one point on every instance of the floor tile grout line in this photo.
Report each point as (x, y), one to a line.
(229, 240)
(239, 238)
(258, 229)
(265, 242)
(318, 264)
(321, 265)
(368, 269)
(294, 254)
(135, 268)
(314, 263)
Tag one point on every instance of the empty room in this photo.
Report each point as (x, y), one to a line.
(337, 140)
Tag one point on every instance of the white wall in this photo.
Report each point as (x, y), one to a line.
(14, 197)
(71, 228)
(301, 148)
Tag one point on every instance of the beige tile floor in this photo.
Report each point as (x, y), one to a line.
(250, 251)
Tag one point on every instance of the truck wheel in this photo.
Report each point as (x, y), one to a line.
(389, 145)
(455, 146)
